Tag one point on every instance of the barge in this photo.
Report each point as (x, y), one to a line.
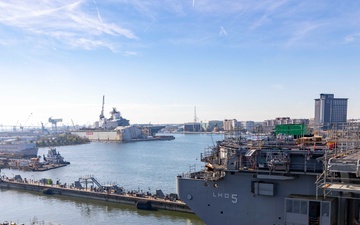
(101, 193)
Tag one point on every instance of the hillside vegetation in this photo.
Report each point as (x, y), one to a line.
(61, 140)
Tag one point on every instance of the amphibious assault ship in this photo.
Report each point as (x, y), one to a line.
(311, 181)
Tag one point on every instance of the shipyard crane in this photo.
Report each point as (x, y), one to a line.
(54, 123)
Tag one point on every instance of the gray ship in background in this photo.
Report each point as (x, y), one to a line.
(113, 122)
(310, 180)
(117, 128)
(19, 143)
(18, 148)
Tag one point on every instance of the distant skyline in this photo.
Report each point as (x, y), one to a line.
(157, 60)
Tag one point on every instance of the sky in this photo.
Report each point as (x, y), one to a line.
(159, 61)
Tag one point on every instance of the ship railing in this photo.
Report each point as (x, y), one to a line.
(208, 153)
(214, 175)
(320, 182)
(308, 166)
(328, 179)
(343, 166)
(197, 175)
(287, 166)
(342, 180)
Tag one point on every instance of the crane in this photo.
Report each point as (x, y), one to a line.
(73, 124)
(22, 127)
(14, 127)
(54, 123)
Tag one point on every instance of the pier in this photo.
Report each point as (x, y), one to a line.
(27, 165)
(140, 201)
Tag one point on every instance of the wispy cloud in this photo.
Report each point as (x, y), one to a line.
(130, 53)
(148, 26)
(90, 24)
(222, 32)
(302, 31)
(66, 22)
(98, 12)
(263, 20)
(352, 38)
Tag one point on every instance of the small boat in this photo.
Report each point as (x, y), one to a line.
(54, 157)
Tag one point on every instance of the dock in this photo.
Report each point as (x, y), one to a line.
(41, 168)
(141, 202)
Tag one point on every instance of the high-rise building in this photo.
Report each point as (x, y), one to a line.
(330, 111)
(231, 125)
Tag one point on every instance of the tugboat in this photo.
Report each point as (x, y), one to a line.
(54, 157)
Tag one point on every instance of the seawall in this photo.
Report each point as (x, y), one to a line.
(101, 196)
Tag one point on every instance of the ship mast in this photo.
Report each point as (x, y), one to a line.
(102, 109)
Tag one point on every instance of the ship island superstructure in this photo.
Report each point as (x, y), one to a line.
(310, 180)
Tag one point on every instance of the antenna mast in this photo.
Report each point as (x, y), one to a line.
(102, 109)
(195, 118)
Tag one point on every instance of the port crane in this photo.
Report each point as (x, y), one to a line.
(54, 123)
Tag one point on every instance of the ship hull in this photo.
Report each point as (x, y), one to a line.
(235, 200)
(19, 150)
(94, 135)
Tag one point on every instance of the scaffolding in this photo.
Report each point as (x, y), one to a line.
(341, 161)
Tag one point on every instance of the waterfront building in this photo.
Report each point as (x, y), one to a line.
(212, 125)
(330, 111)
(248, 125)
(231, 125)
(192, 127)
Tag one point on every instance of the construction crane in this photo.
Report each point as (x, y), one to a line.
(22, 127)
(54, 123)
(14, 127)
(73, 124)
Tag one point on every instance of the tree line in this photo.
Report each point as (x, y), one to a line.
(60, 140)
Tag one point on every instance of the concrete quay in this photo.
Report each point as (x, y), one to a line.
(140, 202)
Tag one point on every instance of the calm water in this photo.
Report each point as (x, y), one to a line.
(134, 166)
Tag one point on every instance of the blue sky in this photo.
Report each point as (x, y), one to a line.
(156, 60)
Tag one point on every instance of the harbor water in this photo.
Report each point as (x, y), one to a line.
(139, 166)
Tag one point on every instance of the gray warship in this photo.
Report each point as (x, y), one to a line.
(313, 180)
(118, 129)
